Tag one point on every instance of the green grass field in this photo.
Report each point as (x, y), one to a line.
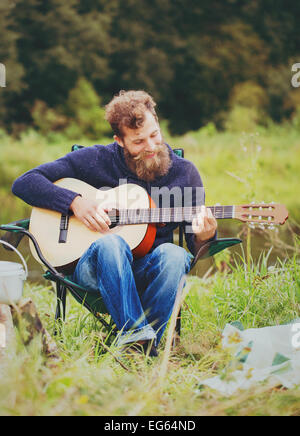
(88, 379)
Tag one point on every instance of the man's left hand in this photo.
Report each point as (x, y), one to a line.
(204, 225)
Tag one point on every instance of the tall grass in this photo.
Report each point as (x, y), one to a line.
(90, 381)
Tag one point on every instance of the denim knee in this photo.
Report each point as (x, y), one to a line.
(111, 246)
(174, 257)
(111, 241)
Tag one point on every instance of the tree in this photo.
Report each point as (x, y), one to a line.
(58, 45)
(9, 57)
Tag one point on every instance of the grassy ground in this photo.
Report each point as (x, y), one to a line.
(88, 380)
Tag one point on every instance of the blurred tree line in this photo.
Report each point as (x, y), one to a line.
(224, 62)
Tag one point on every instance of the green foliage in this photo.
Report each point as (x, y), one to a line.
(190, 56)
(59, 45)
(208, 130)
(85, 112)
(47, 119)
(296, 119)
(248, 94)
(247, 107)
(241, 118)
(81, 117)
(292, 105)
(9, 57)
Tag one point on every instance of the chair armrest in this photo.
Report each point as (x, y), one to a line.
(16, 226)
(19, 229)
(14, 232)
(213, 247)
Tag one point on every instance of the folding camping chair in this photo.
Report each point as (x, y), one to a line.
(16, 230)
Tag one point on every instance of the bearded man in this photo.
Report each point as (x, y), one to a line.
(138, 293)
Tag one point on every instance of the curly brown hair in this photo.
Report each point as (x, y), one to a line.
(128, 109)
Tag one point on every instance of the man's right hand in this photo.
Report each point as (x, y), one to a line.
(90, 214)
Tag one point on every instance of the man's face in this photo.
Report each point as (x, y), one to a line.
(144, 150)
(144, 139)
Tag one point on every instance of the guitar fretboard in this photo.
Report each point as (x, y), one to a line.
(167, 215)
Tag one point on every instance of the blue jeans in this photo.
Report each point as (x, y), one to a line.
(138, 293)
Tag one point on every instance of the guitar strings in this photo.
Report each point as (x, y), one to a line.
(177, 214)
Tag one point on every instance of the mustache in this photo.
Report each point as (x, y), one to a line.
(148, 169)
(158, 150)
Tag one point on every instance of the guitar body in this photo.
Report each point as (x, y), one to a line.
(45, 224)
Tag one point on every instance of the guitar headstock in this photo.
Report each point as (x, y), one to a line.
(262, 214)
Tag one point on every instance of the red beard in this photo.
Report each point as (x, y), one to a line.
(149, 168)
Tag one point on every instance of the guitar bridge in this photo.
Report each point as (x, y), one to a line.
(63, 229)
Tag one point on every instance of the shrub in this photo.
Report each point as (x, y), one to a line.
(248, 102)
(242, 119)
(84, 109)
(46, 119)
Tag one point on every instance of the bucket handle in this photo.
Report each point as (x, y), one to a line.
(22, 258)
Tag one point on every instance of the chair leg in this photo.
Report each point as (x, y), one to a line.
(178, 323)
(61, 294)
(176, 337)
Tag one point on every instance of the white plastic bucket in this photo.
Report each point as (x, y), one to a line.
(12, 277)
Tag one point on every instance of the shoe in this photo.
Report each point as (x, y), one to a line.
(148, 348)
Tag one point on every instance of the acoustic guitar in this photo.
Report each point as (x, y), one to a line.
(63, 238)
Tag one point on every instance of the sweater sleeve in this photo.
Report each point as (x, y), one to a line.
(36, 187)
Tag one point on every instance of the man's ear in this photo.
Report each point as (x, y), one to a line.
(119, 140)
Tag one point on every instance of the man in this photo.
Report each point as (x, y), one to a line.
(138, 293)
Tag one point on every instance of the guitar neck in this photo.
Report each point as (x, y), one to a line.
(167, 215)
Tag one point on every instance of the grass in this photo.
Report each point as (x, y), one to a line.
(87, 380)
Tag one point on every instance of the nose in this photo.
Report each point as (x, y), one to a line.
(150, 146)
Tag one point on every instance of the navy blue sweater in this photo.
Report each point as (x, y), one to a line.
(100, 166)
